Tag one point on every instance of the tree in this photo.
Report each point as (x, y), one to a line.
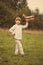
(10, 9)
(38, 22)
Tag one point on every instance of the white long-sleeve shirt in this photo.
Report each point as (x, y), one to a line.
(17, 30)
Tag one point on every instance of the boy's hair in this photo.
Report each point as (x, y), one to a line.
(17, 18)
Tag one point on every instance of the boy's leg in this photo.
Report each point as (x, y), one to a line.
(16, 49)
(20, 47)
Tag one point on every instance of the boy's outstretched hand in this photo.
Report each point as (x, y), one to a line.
(28, 18)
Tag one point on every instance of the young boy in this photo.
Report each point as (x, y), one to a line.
(16, 30)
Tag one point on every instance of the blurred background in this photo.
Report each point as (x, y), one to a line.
(10, 9)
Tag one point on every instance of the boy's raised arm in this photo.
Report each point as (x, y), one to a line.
(26, 25)
(27, 18)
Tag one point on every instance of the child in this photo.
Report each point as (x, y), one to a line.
(16, 30)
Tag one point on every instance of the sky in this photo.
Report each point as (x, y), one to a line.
(33, 4)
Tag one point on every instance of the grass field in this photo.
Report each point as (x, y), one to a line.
(32, 44)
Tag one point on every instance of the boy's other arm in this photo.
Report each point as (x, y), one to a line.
(12, 29)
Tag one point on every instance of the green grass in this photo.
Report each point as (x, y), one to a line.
(33, 47)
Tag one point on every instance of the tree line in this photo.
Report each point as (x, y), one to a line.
(10, 9)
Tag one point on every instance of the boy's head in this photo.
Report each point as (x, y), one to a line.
(18, 20)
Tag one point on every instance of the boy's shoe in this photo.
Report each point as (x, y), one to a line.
(23, 55)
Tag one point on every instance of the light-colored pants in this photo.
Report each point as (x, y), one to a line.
(19, 47)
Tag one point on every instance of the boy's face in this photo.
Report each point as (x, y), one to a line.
(18, 22)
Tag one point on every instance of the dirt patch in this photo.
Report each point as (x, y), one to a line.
(3, 30)
(33, 31)
(25, 31)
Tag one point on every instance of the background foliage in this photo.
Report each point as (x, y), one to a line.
(10, 9)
